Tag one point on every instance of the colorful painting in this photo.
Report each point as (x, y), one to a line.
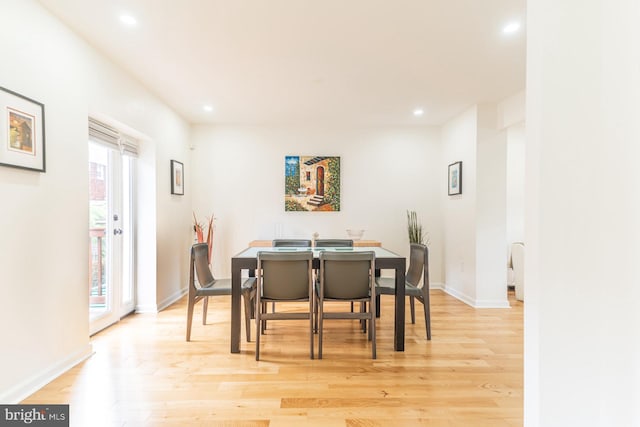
(177, 178)
(455, 178)
(311, 183)
(21, 133)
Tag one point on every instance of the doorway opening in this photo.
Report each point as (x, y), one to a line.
(111, 230)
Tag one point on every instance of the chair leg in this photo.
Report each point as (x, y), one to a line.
(372, 329)
(258, 328)
(205, 308)
(372, 332)
(315, 316)
(273, 307)
(263, 324)
(247, 315)
(412, 303)
(378, 305)
(189, 317)
(320, 325)
(311, 311)
(427, 314)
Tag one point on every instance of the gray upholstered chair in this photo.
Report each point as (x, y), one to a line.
(418, 269)
(288, 243)
(334, 243)
(347, 276)
(207, 286)
(284, 277)
(291, 243)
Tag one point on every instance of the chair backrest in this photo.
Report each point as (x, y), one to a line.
(346, 275)
(285, 275)
(334, 243)
(200, 265)
(418, 261)
(291, 243)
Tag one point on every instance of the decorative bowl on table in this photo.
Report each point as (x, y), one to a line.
(355, 234)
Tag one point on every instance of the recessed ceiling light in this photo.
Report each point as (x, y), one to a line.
(207, 108)
(128, 20)
(418, 112)
(511, 27)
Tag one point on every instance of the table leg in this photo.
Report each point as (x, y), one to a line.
(400, 294)
(252, 273)
(236, 273)
(377, 296)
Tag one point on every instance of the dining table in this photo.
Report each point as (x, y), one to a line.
(247, 260)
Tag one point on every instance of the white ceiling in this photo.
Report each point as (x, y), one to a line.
(367, 62)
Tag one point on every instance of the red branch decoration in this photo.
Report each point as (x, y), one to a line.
(199, 230)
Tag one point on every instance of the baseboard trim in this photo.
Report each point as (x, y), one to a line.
(172, 298)
(147, 309)
(458, 295)
(492, 304)
(155, 309)
(26, 388)
(476, 303)
(436, 285)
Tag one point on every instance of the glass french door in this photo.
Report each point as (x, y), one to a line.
(111, 258)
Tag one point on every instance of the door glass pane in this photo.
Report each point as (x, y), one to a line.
(112, 236)
(98, 215)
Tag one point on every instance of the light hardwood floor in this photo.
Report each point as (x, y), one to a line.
(143, 373)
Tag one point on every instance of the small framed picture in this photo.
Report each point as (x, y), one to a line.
(21, 132)
(177, 177)
(455, 178)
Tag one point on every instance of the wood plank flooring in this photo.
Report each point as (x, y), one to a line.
(143, 373)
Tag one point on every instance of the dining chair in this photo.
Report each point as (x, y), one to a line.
(288, 243)
(284, 277)
(202, 284)
(291, 243)
(347, 276)
(418, 269)
(334, 243)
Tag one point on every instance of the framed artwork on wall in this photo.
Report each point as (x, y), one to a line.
(177, 178)
(311, 183)
(455, 178)
(21, 132)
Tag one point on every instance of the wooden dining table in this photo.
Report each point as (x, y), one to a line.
(385, 259)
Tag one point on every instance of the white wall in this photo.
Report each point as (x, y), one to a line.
(582, 323)
(510, 111)
(44, 217)
(475, 221)
(515, 183)
(491, 211)
(238, 173)
(459, 138)
(511, 118)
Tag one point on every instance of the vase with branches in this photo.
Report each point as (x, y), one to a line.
(199, 229)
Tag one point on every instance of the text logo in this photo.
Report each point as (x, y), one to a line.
(34, 415)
